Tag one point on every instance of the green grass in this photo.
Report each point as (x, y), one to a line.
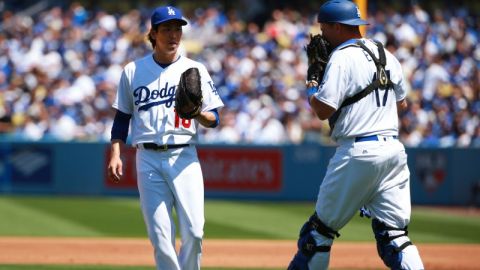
(71, 216)
(436, 226)
(121, 217)
(264, 220)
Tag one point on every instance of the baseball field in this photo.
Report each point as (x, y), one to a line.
(100, 233)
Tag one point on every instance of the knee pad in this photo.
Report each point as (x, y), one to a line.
(307, 246)
(390, 243)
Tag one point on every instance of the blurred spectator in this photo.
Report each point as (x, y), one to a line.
(59, 70)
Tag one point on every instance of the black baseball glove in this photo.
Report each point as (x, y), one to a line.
(318, 51)
(188, 96)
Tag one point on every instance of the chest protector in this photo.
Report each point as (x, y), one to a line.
(381, 82)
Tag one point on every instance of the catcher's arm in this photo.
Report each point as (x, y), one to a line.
(322, 110)
(402, 105)
(318, 52)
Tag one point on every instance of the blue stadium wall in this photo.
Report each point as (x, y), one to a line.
(293, 172)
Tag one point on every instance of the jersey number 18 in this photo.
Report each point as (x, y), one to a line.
(186, 123)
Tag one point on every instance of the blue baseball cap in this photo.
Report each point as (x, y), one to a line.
(340, 11)
(167, 13)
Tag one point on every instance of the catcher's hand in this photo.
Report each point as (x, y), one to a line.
(188, 96)
(318, 51)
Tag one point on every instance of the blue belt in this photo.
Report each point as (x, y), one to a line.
(369, 138)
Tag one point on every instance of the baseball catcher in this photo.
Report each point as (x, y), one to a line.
(364, 76)
(318, 50)
(188, 97)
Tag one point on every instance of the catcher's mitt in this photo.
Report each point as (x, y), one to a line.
(318, 51)
(188, 96)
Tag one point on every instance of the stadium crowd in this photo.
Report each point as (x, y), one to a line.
(59, 70)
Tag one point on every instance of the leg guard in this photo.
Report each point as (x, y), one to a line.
(390, 243)
(306, 244)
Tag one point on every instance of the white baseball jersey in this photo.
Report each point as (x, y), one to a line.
(147, 92)
(347, 73)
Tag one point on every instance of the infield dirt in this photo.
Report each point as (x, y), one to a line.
(218, 253)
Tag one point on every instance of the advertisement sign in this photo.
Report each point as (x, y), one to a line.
(4, 173)
(242, 169)
(30, 165)
(431, 169)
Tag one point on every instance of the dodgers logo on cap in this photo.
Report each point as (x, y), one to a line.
(167, 13)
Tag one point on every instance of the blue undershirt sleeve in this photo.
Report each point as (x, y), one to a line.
(120, 126)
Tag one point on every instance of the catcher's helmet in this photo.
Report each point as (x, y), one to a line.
(340, 11)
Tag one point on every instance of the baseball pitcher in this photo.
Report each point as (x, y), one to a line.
(358, 86)
(163, 98)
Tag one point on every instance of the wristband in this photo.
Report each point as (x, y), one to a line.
(311, 91)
